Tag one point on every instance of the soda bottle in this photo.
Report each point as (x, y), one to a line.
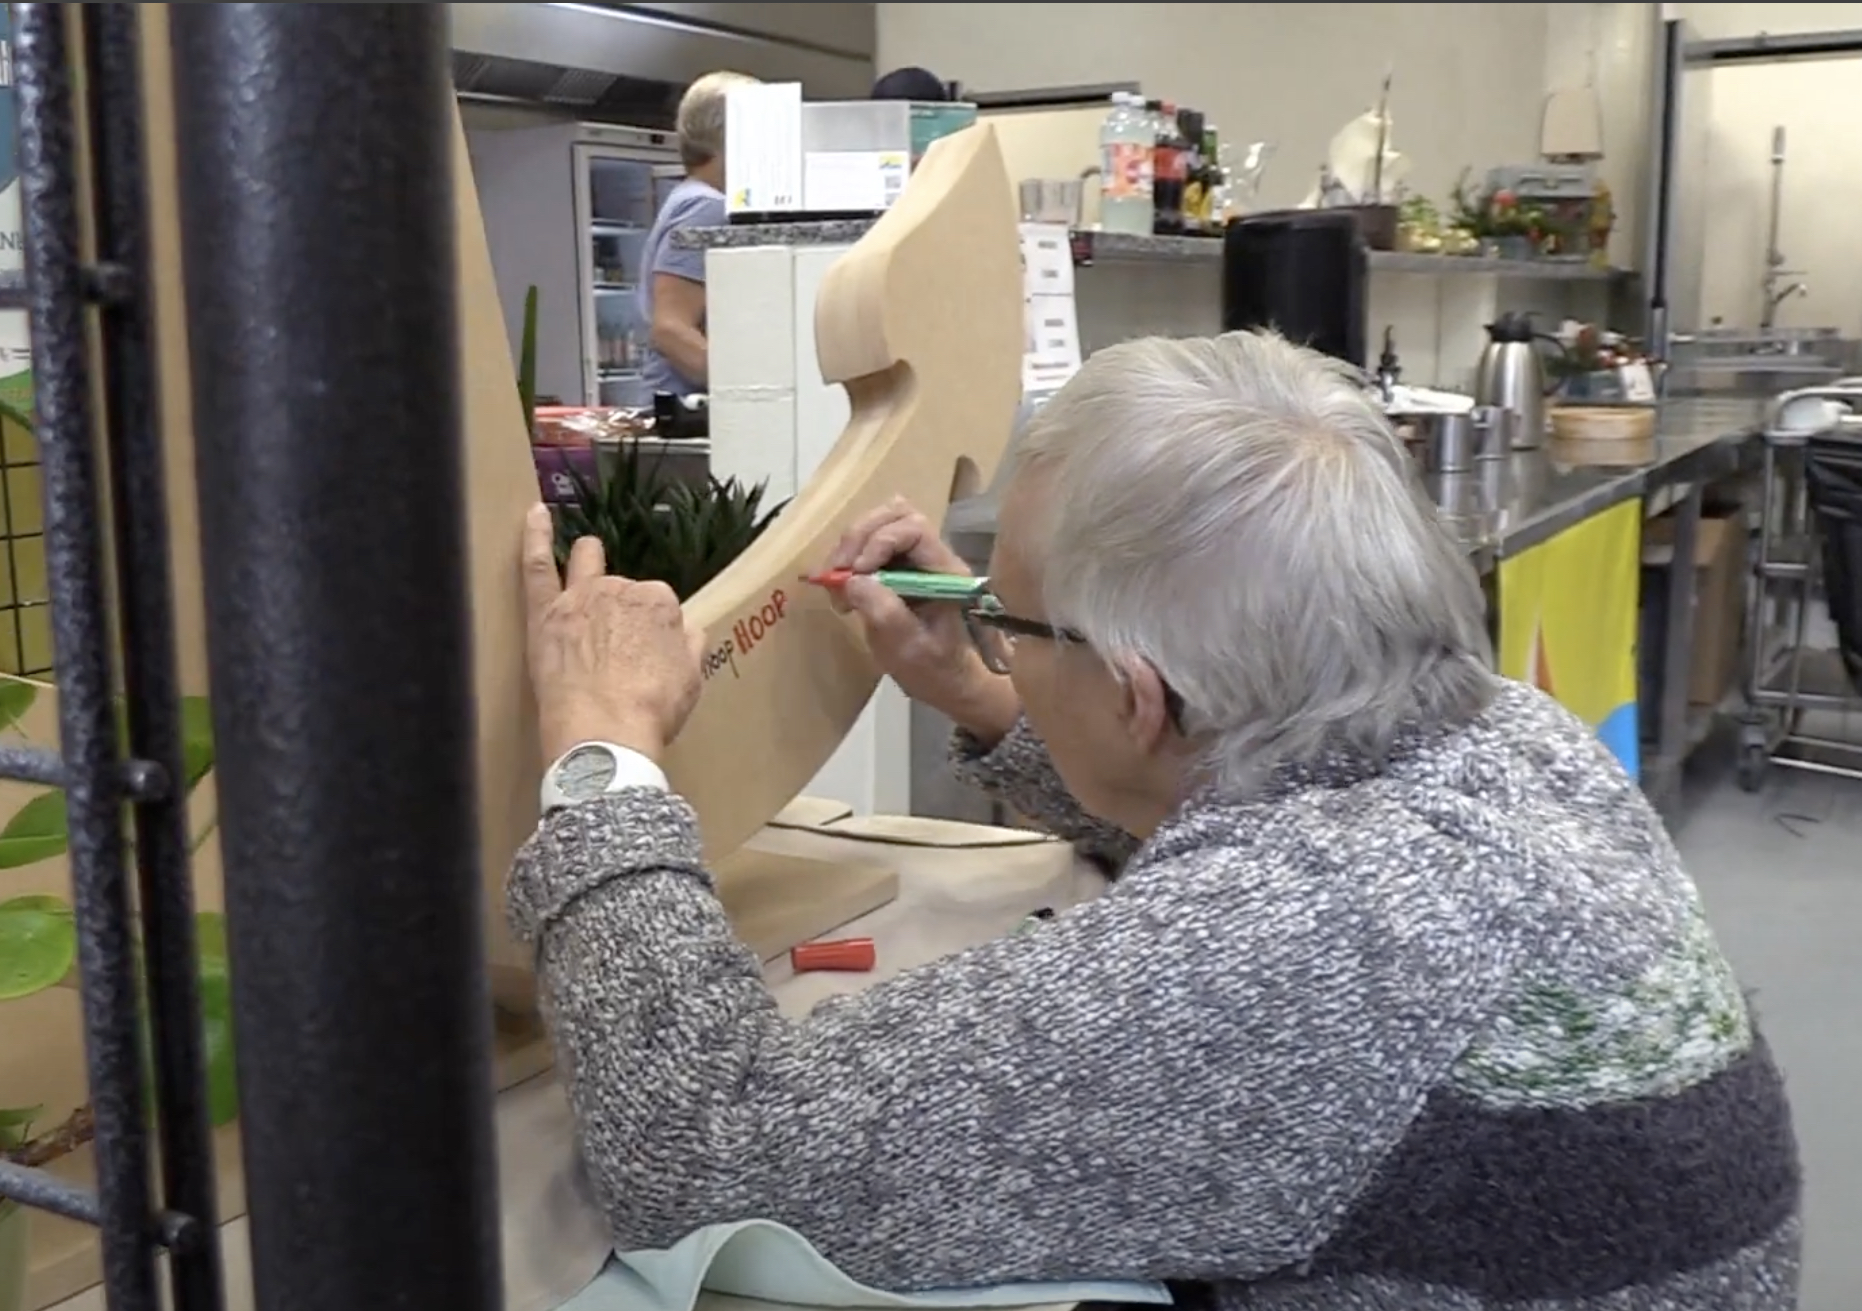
(1127, 143)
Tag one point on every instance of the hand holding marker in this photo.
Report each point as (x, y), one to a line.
(917, 585)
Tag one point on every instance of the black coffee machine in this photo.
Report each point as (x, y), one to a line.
(1302, 272)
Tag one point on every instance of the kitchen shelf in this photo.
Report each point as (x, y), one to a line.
(1539, 270)
(1129, 248)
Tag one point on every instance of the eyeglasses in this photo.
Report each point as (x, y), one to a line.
(994, 631)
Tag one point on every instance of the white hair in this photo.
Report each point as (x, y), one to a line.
(700, 123)
(1237, 511)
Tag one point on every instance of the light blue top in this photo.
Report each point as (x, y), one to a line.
(691, 204)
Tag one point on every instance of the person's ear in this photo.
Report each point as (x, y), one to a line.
(1145, 711)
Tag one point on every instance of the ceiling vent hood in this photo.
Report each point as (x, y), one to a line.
(633, 60)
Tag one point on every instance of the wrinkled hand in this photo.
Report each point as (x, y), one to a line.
(924, 647)
(611, 660)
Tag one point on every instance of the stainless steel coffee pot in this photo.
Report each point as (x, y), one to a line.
(1511, 375)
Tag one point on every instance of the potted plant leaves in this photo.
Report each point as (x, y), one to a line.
(527, 365)
(654, 527)
(38, 949)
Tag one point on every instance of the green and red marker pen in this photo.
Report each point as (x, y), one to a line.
(910, 584)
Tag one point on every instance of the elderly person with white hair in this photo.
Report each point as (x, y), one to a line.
(1403, 999)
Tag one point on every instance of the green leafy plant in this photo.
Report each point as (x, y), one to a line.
(38, 937)
(527, 365)
(1495, 214)
(10, 411)
(657, 527)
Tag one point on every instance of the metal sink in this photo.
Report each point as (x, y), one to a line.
(1737, 348)
(1723, 360)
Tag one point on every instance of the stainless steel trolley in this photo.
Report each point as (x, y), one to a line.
(1802, 709)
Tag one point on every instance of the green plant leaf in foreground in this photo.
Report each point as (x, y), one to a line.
(37, 832)
(196, 739)
(216, 1015)
(38, 945)
(16, 698)
(216, 1023)
(15, 1127)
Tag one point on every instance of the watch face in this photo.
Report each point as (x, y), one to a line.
(586, 772)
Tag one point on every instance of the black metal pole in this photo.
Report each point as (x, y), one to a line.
(74, 557)
(317, 211)
(151, 686)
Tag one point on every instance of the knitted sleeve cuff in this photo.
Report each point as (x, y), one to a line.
(581, 848)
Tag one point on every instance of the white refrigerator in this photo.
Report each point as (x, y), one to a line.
(567, 210)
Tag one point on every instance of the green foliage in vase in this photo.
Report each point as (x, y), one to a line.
(527, 366)
(38, 933)
(657, 527)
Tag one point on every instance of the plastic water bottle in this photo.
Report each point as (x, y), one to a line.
(1127, 142)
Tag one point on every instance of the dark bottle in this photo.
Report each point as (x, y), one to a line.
(1168, 171)
(1215, 189)
(1195, 172)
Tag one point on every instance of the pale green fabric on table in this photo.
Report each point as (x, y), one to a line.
(772, 1263)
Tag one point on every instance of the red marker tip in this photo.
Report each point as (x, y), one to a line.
(829, 578)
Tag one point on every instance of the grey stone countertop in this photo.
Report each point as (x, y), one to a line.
(1507, 506)
(1120, 247)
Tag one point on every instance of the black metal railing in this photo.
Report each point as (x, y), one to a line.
(135, 1218)
(316, 168)
(315, 148)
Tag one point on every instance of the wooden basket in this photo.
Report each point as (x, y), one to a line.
(1603, 423)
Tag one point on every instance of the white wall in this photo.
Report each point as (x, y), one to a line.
(1289, 73)
(1470, 82)
(1733, 20)
(1469, 88)
(1610, 49)
(1816, 102)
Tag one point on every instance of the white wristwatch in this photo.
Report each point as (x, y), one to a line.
(594, 769)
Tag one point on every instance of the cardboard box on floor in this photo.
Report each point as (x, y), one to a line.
(1720, 596)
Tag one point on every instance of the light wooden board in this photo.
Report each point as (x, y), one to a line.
(921, 321)
(916, 831)
(777, 901)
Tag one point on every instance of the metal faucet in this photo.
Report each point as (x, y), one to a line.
(1774, 258)
(1774, 297)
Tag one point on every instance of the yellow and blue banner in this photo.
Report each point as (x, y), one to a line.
(1568, 623)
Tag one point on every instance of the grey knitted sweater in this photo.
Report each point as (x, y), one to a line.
(1448, 1034)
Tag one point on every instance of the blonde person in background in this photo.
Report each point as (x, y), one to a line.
(672, 278)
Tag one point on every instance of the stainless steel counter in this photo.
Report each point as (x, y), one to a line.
(1508, 506)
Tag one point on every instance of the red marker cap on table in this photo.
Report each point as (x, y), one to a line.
(852, 955)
